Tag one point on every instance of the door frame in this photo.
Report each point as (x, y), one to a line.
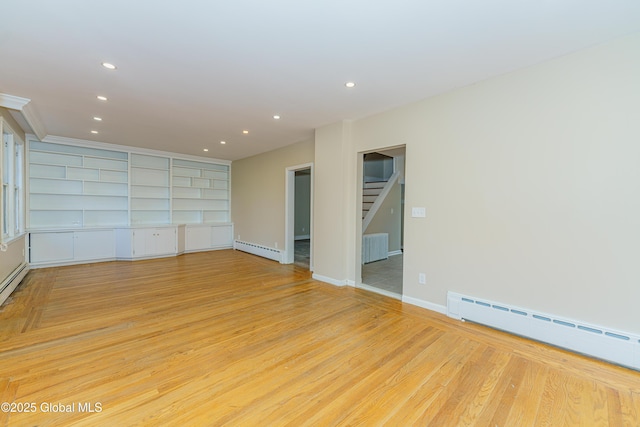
(359, 220)
(289, 215)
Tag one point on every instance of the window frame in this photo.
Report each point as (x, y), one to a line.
(12, 184)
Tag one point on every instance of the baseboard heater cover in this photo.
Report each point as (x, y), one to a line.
(603, 343)
(12, 282)
(259, 250)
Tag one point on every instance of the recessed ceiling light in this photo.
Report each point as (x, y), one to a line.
(277, 117)
(97, 119)
(245, 132)
(205, 149)
(350, 84)
(223, 142)
(109, 66)
(101, 98)
(94, 131)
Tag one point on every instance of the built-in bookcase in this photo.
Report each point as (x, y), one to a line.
(200, 192)
(72, 186)
(150, 190)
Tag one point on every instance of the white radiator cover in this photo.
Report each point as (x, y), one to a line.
(604, 343)
(12, 282)
(375, 247)
(259, 250)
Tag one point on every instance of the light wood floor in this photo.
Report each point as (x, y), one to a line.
(226, 338)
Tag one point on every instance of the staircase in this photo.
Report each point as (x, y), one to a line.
(373, 194)
(370, 193)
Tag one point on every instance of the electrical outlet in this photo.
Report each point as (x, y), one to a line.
(422, 278)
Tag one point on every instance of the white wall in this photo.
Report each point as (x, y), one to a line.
(258, 193)
(531, 182)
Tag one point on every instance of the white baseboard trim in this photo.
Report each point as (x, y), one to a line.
(351, 283)
(425, 304)
(394, 253)
(329, 280)
(302, 237)
(375, 290)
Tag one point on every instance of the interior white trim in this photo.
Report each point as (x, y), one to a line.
(425, 304)
(13, 102)
(375, 290)
(24, 108)
(127, 148)
(30, 116)
(329, 280)
(289, 214)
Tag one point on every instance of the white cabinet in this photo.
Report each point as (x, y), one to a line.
(205, 237)
(94, 245)
(146, 242)
(50, 247)
(61, 247)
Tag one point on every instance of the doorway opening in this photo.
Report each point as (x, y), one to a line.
(382, 241)
(299, 216)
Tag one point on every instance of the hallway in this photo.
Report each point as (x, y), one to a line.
(385, 274)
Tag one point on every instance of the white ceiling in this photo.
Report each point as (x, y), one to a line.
(195, 72)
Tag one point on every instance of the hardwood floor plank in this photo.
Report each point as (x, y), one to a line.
(227, 338)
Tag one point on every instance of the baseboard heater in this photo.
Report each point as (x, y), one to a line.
(12, 282)
(375, 247)
(603, 343)
(259, 250)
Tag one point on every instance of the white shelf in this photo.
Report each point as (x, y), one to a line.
(150, 190)
(77, 186)
(73, 186)
(200, 192)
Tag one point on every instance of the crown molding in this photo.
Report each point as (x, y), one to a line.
(128, 149)
(24, 108)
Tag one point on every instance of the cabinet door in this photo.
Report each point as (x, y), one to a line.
(164, 241)
(221, 236)
(198, 238)
(51, 247)
(98, 244)
(140, 240)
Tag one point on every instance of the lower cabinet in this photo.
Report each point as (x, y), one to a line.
(58, 247)
(207, 237)
(49, 247)
(146, 242)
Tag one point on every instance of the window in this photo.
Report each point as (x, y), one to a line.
(12, 179)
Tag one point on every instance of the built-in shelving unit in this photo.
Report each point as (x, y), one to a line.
(88, 202)
(150, 190)
(72, 186)
(200, 192)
